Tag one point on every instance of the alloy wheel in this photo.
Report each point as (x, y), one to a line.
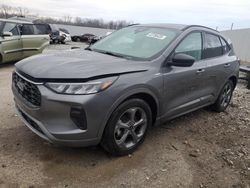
(130, 127)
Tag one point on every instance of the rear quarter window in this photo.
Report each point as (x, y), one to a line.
(225, 47)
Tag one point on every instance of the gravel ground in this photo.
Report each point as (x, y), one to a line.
(201, 149)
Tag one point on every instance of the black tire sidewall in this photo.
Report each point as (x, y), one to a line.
(108, 140)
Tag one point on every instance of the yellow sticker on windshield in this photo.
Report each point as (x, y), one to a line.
(156, 36)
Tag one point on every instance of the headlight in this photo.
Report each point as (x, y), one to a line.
(81, 88)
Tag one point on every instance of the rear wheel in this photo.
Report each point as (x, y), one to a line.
(224, 98)
(127, 127)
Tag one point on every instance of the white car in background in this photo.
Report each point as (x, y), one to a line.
(59, 35)
(65, 33)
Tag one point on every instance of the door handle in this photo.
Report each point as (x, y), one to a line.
(227, 65)
(200, 71)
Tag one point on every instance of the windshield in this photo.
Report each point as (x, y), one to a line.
(138, 41)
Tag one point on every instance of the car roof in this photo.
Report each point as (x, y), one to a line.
(180, 27)
(15, 21)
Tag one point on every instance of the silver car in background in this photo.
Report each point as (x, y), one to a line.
(21, 39)
(113, 91)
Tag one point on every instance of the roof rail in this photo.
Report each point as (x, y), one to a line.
(189, 26)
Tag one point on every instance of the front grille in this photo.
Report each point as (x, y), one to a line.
(31, 122)
(27, 90)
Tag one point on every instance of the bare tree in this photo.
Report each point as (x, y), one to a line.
(6, 10)
(22, 12)
(67, 19)
(78, 21)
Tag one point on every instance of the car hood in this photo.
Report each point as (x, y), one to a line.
(77, 64)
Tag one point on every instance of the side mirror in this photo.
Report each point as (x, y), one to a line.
(7, 34)
(182, 60)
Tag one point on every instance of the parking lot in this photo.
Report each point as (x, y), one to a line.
(201, 149)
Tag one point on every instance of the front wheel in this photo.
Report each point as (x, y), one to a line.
(127, 127)
(224, 98)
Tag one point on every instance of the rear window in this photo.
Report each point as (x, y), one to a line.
(213, 46)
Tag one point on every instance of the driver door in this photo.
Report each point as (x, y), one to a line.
(184, 86)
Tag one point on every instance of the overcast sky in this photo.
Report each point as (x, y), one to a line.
(211, 13)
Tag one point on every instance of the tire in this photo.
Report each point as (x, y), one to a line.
(224, 97)
(127, 127)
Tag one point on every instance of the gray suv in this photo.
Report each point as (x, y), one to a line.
(113, 91)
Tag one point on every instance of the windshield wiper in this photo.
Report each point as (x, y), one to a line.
(88, 48)
(111, 53)
(114, 54)
(108, 53)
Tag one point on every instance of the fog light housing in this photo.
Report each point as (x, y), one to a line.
(78, 116)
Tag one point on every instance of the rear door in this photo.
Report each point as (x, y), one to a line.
(11, 46)
(219, 62)
(35, 37)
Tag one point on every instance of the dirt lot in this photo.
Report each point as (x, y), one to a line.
(201, 149)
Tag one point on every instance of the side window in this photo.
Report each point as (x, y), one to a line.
(225, 47)
(191, 45)
(41, 29)
(11, 27)
(1, 27)
(27, 29)
(213, 46)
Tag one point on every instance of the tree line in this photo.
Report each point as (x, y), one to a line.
(10, 11)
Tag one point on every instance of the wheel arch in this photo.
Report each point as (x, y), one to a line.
(143, 93)
(149, 99)
(234, 80)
